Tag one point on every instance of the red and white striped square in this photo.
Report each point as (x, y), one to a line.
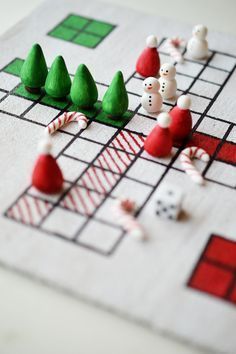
(82, 200)
(29, 210)
(114, 160)
(99, 180)
(129, 142)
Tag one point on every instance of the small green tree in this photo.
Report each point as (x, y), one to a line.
(115, 101)
(34, 70)
(58, 82)
(83, 91)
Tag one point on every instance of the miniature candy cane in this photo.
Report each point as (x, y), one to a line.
(124, 210)
(172, 46)
(66, 118)
(185, 158)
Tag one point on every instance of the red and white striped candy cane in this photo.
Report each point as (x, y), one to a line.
(172, 46)
(185, 158)
(66, 118)
(124, 211)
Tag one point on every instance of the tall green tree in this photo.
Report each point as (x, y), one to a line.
(83, 91)
(115, 101)
(58, 82)
(34, 70)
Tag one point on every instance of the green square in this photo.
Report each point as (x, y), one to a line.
(87, 40)
(14, 67)
(63, 33)
(76, 22)
(22, 92)
(52, 102)
(91, 113)
(100, 28)
(119, 123)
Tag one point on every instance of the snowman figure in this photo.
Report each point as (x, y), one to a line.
(151, 99)
(168, 85)
(197, 46)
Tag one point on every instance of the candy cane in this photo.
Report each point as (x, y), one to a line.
(66, 118)
(172, 46)
(185, 158)
(124, 210)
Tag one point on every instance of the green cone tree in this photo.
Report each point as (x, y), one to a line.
(115, 101)
(83, 91)
(34, 70)
(58, 82)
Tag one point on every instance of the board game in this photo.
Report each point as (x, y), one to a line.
(182, 280)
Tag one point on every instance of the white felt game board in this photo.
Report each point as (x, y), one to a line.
(183, 280)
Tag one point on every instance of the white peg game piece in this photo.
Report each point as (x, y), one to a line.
(168, 84)
(197, 47)
(151, 99)
(169, 201)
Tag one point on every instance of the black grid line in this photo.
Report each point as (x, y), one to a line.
(167, 167)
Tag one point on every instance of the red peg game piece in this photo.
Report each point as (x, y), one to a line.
(159, 142)
(47, 176)
(148, 63)
(181, 122)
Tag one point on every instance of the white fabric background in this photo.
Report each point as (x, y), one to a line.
(37, 319)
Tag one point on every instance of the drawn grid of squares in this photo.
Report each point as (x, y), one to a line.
(82, 31)
(114, 156)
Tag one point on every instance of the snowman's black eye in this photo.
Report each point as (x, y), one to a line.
(145, 84)
(167, 71)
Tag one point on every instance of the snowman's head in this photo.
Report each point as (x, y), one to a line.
(151, 85)
(200, 31)
(167, 71)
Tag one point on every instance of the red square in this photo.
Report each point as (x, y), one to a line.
(205, 142)
(211, 279)
(227, 153)
(221, 250)
(233, 294)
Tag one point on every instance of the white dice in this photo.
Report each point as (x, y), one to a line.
(169, 201)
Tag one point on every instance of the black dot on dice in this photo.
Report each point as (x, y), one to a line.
(170, 192)
(172, 206)
(159, 202)
(164, 209)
